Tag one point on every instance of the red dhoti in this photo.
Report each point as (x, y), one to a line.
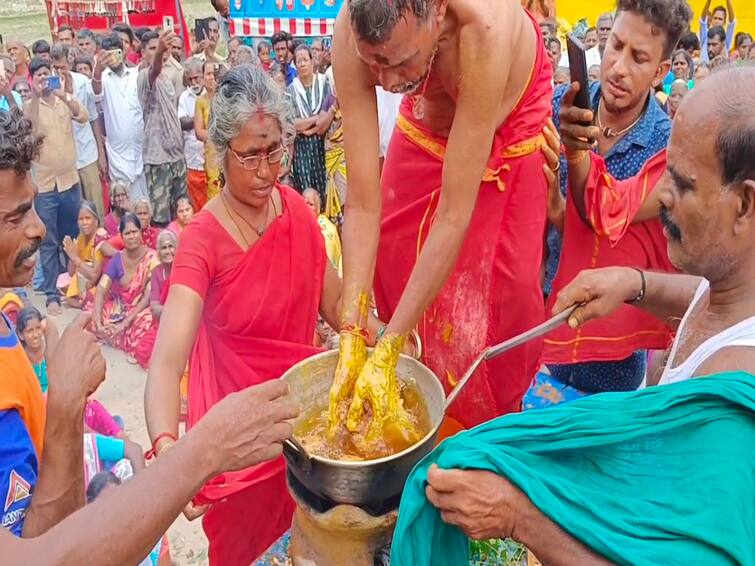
(494, 292)
(259, 316)
(611, 239)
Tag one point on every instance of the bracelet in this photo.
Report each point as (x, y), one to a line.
(643, 288)
(152, 452)
(356, 330)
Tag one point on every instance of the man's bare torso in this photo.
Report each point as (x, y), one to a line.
(471, 30)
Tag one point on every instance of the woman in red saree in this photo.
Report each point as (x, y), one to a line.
(249, 279)
(121, 314)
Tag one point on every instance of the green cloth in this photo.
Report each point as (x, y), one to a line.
(665, 475)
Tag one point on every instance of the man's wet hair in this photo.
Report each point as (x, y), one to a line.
(375, 20)
(671, 16)
(19, 145)
(735, 114)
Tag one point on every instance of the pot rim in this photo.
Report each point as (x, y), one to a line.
(354, 464)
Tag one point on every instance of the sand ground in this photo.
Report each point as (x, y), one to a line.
(122, 394)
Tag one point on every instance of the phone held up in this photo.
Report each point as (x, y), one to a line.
(578, 69)
(168, 23)
(53, 83)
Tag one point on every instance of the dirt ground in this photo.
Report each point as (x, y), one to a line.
(122, 394)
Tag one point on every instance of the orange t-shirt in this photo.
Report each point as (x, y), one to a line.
(19, 387)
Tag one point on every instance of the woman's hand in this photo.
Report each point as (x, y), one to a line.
(600, 292)
(482, 504)
(69, 246)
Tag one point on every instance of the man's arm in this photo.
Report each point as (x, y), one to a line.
(156, 67)
(706, 12)
(76, 368)
(730, 8)
(599, 292)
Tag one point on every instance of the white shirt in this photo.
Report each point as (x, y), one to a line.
(741, 334)
(593, 57)
(86, 143)
(388, 104)
(193, 148)
(124, 125)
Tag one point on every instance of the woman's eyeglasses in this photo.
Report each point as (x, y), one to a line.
(252, 162)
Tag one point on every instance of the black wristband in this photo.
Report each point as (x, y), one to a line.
(643, 288)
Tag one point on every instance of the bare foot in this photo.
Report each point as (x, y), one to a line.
(53, 309)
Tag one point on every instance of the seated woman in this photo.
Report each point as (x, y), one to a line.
(84, 257)
(121, 313)
(39, 336)
(184, 214)
(121, 203)
(167, 242)
(143, 211)
(248, 282)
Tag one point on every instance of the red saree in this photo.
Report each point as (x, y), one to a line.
(494, 292)
(611, 206)
(160, 287)
(259, 316)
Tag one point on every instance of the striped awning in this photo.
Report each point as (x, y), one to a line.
(266, 27)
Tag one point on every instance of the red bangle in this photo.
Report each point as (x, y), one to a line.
(356, 330)
(152, 452)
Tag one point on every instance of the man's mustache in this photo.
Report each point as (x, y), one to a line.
(674, 233)
(28, 252)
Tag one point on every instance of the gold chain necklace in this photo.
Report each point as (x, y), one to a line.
(609, 132)
(260, 229)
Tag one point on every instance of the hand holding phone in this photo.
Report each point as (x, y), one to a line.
(53, 83)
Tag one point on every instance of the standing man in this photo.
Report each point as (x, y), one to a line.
(454, 237)
(715, 45)
(20, 55)
(86, 44)
(59, 194)
(594, 55)
(164, 164)
(66, 35)
(283, 54)
(196, 178)
(609, 355)
(718, 17)
(87, 151)
(115, 86)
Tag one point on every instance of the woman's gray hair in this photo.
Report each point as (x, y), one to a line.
(143, 201)
(167, 234)
(245, 91)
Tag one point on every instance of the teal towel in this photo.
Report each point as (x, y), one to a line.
(665, 475)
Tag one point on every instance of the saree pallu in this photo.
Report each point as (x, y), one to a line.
(258, 320)
(122, 302)
(665, 475)
(494, 291)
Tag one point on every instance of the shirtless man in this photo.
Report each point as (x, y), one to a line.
(453, 240)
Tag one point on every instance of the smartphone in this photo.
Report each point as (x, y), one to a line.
(53, 82)
(202, 29)
(167, 23)
(578, 69)
(117, 55)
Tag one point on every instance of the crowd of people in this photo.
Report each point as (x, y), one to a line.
(190, 199)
